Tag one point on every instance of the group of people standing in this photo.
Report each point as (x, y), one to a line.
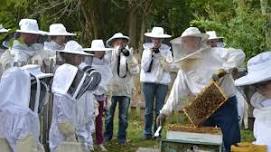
(86, 82)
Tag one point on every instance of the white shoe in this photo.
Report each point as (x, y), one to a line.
(102, 148)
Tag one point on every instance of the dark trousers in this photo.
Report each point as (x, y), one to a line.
(226, 117)
(124, 103)
(99, 124)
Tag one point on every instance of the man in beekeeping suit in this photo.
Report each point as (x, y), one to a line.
(154, 76)
(57, 39)
(199, 65)
(124, 66)
(27, 47)
(19, 120)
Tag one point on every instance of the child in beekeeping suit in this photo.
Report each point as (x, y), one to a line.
(20, 126)
(259, 76)
(72, 107)
(199, 65)
(100, 94)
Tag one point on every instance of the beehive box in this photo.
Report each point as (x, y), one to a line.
(205, 104)
(189, 139)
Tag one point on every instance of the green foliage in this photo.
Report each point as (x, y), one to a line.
(242, 27)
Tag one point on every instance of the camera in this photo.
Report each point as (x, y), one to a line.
(155, 50)
(125, 51)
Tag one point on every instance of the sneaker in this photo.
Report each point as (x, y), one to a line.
(102, 148)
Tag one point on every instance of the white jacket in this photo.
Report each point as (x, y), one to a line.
(51, 48)
(160, 64)
(122, 84)
(103, 67)
(16, 118)
(262, 124)
(24, 53)
(196, 74)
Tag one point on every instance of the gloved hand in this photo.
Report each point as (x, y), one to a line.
(219, 74)
(68, 131)
(160, 120)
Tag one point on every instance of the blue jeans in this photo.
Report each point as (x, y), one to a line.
(154, 96)
(226, 117)
(124, 103)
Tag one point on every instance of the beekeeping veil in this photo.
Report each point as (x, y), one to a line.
(180, 52)
(17, 120)
(39, 87)
(74, 82)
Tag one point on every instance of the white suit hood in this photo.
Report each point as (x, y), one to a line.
(63, 78)
(15, 80)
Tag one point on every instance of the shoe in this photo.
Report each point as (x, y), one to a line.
(102, 148)
(122, 142)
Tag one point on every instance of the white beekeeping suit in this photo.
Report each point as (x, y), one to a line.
(18, 121)
(190, 80)
(72, 113)
(262, 124)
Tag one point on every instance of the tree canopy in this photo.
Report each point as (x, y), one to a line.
(245, 24)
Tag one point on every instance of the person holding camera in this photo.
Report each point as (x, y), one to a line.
(154, 76)
(124, 66)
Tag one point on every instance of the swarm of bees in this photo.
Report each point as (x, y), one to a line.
(192, 129)
(205, 104)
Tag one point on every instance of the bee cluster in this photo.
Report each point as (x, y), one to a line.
(191, 128)
(205, 104)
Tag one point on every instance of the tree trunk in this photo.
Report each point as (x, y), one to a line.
(266, 11)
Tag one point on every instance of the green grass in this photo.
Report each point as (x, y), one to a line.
(135, 133)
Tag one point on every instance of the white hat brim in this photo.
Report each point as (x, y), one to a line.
(75, 52)
(253, 78)
(4, 30)
(109, 41)
(97, 49)
(157, 36)
(61, 34)
(201, 35)
(32, 32)
(215, 38)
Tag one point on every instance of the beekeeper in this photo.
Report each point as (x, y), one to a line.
(26, 47)
(259, 77)
(58, 37)
(72, 108)
(124, 66)
(214, 40)
(102, 65)
(199, 65)
(154, 76)
(19, 121)
(242, 106)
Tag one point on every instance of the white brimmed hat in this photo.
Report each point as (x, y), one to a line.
(259, 70)
(157, 32)
(117, 36)
(73, 47)
(213, 36)
(35, 70)
(97, 45)
(2, 29)
(30, 26)
(59, 30)
(191, 32)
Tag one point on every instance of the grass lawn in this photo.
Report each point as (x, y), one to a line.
(135, 135)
